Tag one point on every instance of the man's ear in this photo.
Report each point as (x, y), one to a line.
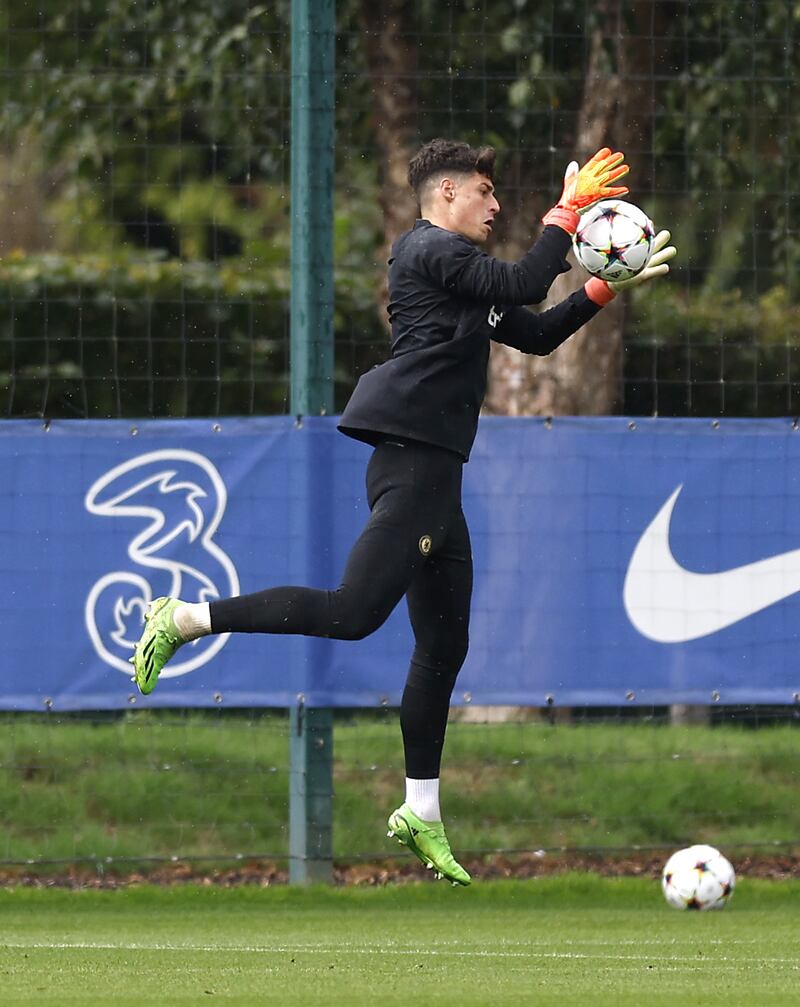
(447, 187)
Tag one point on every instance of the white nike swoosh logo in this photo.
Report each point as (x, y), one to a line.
(670, 604)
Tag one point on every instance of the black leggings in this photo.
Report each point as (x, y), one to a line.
(416, 544)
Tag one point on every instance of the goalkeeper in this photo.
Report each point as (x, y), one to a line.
(419, 409)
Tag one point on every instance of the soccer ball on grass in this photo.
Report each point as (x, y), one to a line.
(614, 240)
(698, 877)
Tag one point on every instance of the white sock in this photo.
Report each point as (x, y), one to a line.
(192, 621)
(422, 796)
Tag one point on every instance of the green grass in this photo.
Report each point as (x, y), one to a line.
(574, 940)
(203, 786)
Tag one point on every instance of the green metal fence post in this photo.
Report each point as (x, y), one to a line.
(312, 165)
(311, 348)
(310, 795)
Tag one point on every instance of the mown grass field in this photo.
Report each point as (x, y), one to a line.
(573, 940)
(196, 786)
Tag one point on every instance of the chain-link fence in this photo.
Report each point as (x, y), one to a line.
(144, 192)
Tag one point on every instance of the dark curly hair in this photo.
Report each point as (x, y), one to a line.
(441, 156)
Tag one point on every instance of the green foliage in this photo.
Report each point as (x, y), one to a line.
(93, 336)
(134, 336)
(722, 136)
(89, 75)
(727, 353)
(709, 317)
(166, 127)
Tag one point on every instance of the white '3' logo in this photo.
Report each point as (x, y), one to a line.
(172, 501)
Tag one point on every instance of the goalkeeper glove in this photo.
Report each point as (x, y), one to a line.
(588, 185)
(603, 291)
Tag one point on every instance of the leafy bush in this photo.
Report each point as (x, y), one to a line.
(707, 352)
(123, 337)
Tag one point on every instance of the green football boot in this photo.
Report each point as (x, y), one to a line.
(158, 643)
(428, 841)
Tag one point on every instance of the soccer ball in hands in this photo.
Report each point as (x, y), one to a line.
(614, 240)
(698, 877)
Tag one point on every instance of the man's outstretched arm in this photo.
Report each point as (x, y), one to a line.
(469, 272)
(542, 333)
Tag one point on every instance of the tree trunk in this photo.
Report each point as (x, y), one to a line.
(391, 60)
(584, 375)
(23, 219)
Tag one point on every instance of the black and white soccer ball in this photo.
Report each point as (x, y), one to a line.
(614, 240)
(698, 877)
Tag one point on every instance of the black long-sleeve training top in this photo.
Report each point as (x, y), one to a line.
(447, 299)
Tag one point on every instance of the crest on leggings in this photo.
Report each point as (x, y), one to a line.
(425, 545)
(167, 506)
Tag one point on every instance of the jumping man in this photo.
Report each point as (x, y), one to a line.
(419, 410)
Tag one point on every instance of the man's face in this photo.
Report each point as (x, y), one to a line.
(471, 205)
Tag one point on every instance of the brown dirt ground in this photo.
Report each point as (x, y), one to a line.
(265, 874)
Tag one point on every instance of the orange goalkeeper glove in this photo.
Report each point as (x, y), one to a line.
(588, 185)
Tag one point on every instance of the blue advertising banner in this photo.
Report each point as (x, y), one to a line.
(616, 561)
